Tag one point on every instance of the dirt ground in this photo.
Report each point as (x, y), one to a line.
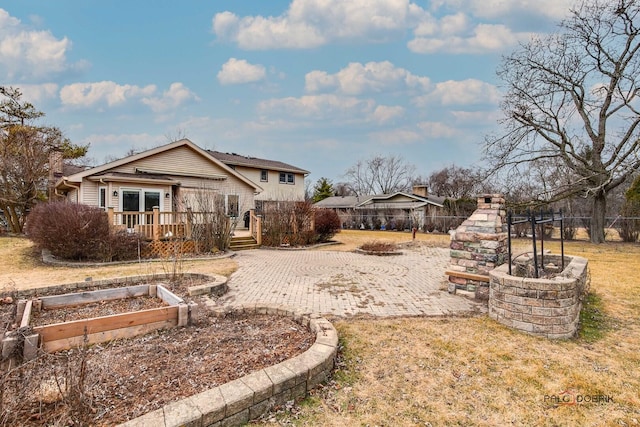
(109, 383)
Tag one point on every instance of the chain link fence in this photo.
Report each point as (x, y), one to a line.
(619, 229)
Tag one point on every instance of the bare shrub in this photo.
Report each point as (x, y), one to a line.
(124, 245)
(57, 384)
(327, 224)
(213, 221)
(629, 229)
(69, 230)
(378, 246)
(287, 223)
(570, 229)
(79, 232)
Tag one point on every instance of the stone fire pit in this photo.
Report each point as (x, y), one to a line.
(548, 306)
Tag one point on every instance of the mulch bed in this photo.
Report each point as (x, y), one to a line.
(106, 384)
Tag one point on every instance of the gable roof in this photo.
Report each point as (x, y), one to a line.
(105, 168)
(382, 198)
(255, 162)
(362, 202)
(341, 202)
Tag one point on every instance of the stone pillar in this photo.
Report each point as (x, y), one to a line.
(478, 246)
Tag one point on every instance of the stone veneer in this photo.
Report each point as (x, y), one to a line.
(544, 307)
(479, 245)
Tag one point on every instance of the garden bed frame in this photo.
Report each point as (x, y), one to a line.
(62, 336)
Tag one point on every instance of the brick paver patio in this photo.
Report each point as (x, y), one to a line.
(346, 283)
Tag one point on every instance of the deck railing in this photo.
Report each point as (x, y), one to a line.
(255, 226)
(156, 225)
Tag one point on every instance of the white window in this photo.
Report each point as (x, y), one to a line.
(264, 175)
(287, 178)
(102, 197)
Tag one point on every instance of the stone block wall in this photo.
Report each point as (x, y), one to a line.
(479, 245)
(543, 307)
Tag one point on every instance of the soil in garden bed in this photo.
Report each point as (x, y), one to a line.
(107, 384)
(97, 309)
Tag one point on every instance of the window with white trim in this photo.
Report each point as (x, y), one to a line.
(287, 178)
(102, 197)
(264, 175)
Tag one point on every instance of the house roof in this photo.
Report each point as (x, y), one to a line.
(147, 174)
(255, 162)
(134, 177)
(388, 198)
(362, 202)
(341, 202)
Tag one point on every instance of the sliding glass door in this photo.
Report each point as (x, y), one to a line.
(139, 201)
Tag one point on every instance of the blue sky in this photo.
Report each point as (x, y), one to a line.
(319, 84)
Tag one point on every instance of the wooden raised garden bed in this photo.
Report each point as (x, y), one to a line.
(61, 336)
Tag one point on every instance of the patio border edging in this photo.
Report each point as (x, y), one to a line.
(246, 398)
(216, 285)
(48, 258)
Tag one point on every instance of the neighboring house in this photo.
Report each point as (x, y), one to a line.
(392, 211)
(279, 181)
(173, 177)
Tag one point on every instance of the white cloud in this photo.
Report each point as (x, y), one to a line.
(359, 78)
(319, 107)
(437, 130)
(460, 92)
(396, 136)
(384, 114)
(237, 71)
(494, 9)
(108, 147)
(111, 94)
(312, 23)
(472, 118)
(37, 94)
(328, 107)
(483, 38)
(105, 92)
(26, 53)
(176, 95)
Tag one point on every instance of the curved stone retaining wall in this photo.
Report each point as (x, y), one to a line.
(214, 284)
(241, 400)
(543, 307)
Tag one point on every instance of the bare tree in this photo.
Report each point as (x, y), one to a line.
(24, 156)
(455, 182)
(572, 97)
(380, 175)
(175, 135)
(342, 189)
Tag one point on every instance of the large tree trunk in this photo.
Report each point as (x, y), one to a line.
(598, 217)
(13, 220)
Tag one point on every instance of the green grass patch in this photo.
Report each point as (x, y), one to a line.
(593, 319)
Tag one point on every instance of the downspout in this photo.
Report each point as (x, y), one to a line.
(65, 181)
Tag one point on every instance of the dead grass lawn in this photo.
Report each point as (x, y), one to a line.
(449, 371)
(20, 267)
(473, 371)
(352, 239)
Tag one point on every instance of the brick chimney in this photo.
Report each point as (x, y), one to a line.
(55, 164)
(421, 190)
